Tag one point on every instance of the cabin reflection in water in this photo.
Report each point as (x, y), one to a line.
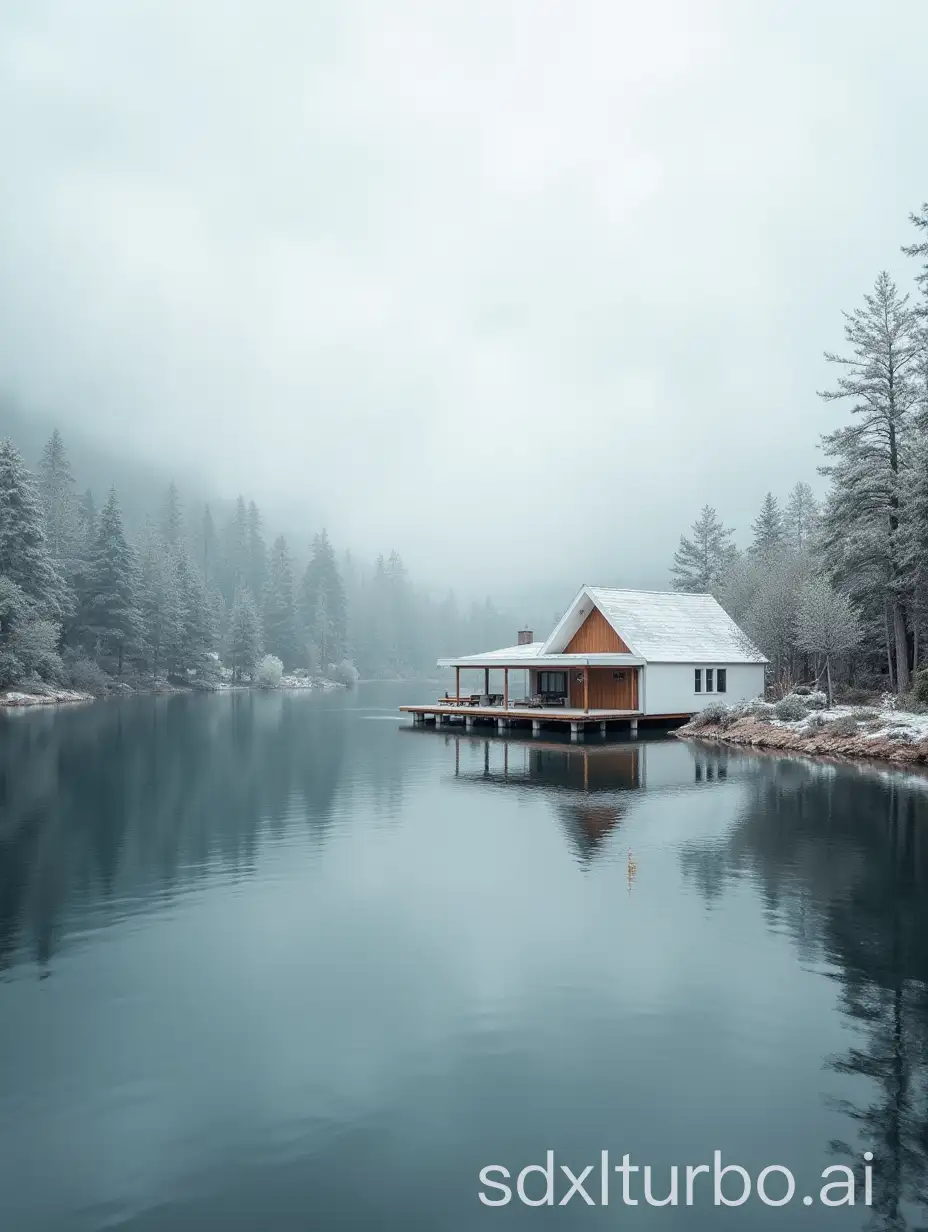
(592, 787)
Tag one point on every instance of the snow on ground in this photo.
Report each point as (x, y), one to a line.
(53, 697)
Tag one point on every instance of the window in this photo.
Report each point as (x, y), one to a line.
(698, 679)
(552, 682)
(708, 679)
(721, 680)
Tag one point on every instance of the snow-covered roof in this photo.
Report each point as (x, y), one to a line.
(657, 626)
(661, 626)
(527, 650)
(671, 626)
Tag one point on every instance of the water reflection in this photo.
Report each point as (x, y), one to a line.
(841, 858)
(284, 939)
(106, 807)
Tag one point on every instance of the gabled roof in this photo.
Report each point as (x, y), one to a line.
(660, 626)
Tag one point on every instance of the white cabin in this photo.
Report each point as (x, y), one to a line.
(651, 653)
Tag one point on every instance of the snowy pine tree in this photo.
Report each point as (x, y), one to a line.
(159, 601)
(322, 604)
(172, 522)
(280, 625)
(700, 563)
(109, 618)
(24, 555)
(198, 630)
(56, 488)
(768, 528)
(244, 635)
(257, 552)
(800, 516)
(862, 517)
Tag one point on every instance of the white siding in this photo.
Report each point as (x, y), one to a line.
(669, 687)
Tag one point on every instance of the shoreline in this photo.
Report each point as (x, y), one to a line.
(846, 733)
(22, 699)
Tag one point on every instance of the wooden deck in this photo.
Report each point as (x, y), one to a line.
(560, 717)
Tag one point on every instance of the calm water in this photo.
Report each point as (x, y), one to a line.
(280, 962)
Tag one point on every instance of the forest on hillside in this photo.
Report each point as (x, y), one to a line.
(85, 602)
(842, 586)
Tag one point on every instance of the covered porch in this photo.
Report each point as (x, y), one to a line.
(581, 683)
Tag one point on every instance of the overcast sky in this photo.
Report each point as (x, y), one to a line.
(513, 286)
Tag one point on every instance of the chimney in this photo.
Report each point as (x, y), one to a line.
(526, 637)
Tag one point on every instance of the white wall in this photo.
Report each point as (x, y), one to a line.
(669, 687)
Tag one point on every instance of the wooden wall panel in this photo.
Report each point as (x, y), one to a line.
(596, 636)
(606, 692)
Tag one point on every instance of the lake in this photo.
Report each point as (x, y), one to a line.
(285, 961)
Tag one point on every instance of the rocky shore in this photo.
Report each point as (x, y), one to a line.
(808, 725)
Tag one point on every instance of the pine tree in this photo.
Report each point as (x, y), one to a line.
(172, 523)
(800, 517)
(244, 636)
(768, 528)
(257, 552)
(209, 549)
(24, 555)
(280, 633)
(159, 600)
(86, 521)
(322, 604)
(699, 564)
(920, 249)
(198, 632)
(862, 517)
(111, 617)
(235, 554)
(56, 488)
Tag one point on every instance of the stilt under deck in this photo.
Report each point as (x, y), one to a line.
(579, 722)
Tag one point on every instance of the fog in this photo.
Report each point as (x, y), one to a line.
(514, 288)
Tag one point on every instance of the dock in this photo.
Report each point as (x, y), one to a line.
(560, 718)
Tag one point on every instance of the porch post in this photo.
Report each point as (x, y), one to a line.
(486, 681)
(505, 688)
(457, 684)
(586, 690)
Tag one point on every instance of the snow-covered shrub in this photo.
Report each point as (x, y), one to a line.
(710, 715)
(844, 725)
(269, 672)
(802, 690)
(816, 700)
(791, 708)
(759, 709)
(863, 715)
(346, 673)
(87, 676)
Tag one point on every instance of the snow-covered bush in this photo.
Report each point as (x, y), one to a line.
(346, 673)
(802, 690)
(710, 715)
(759, 709)
(269, 672)
(816, 700)
(87, 676)
(844, 725)
(791, 708)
